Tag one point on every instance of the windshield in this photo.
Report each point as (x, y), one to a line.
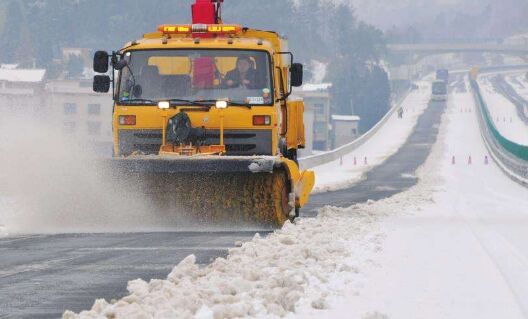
(439, 88)
(239, 76)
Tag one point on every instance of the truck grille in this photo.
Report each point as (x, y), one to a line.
(238, 142)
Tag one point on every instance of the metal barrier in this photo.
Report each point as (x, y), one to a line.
(330, 156)
(511, 157)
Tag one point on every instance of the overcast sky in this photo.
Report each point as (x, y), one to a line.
(386, 13)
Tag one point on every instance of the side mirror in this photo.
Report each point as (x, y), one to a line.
(296, 74)
(101, 83)
(100, 62)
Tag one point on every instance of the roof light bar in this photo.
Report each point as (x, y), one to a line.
(199, 28)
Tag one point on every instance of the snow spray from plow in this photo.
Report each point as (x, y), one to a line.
(50, 184)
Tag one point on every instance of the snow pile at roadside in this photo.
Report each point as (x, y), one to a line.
(303, 265)
(344, 173)
(503, 114)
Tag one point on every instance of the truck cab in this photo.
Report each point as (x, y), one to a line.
(190, 67)
(203, 123)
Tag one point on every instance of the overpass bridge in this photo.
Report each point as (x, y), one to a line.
(439, 48)
(405, 58)
(413, 53)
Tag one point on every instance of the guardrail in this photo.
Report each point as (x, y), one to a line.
(511, 157)
(330, 156)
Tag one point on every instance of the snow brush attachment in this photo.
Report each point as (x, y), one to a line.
(218, 190)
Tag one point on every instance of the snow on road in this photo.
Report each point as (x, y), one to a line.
(299, 266)
(519, 83)
(302, 266)
(351, 168)
(455, 245)
(503, 113)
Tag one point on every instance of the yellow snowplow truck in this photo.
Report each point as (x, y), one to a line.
(203, 122)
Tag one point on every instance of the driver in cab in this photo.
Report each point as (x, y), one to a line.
(243, 76)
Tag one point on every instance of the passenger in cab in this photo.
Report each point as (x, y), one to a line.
(243, 76)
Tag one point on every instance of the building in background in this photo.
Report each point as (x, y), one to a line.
(317, 104)
(81, 113)
(21, 90)
(67, 102)
(345, 129)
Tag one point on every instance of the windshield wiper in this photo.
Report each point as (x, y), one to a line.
(195, 103)
(229, 103)
(138, 101)
(238, 104)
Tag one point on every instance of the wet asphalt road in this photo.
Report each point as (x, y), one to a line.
(43, 275)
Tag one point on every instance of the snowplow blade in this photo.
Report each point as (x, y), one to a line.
(218, 189)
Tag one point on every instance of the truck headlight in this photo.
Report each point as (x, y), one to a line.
(163, 105)
(221, 104)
